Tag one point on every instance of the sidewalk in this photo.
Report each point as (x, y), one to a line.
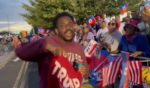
(6, 57)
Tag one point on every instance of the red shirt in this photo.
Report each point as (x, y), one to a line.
(35, 51)
(63, 75)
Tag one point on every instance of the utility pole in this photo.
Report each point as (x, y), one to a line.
(8, 22)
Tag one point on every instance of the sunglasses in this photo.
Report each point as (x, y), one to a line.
(112, 24)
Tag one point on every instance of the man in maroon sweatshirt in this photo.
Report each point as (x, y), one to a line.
(43, 51)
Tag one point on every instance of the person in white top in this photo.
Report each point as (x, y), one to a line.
(102, 31)
(88, 35)
(112, 37)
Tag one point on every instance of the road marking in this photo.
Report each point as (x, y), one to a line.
(22, 85)
(17, 81)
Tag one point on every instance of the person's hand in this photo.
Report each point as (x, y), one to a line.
(114, 52)
(59, 51)
(55, 50)
(136, 54)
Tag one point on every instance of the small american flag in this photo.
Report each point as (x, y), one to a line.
(135, 72)
(110, 72)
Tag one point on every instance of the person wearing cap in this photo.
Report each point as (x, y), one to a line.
(133, 42)
(98, 23)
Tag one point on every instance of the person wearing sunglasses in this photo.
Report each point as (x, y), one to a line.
(111, 24)
(111, 38)
(110, 43)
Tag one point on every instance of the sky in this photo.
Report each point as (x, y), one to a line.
(10, 11)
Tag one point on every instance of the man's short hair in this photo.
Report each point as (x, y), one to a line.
(58, 16)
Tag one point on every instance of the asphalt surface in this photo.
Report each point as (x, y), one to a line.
(15, 73)
(31, 78)
(9, 73)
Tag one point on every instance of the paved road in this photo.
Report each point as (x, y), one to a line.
(6, 57)
(9, 74)
(31, 78)
(17, 74)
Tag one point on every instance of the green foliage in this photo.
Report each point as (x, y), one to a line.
(40, 13)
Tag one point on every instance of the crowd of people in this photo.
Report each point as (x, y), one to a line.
(60, 53)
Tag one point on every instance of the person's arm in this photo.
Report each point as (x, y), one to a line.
(33, 51)
(29, 51)
(144, 47)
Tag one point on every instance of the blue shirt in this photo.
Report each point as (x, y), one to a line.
(137, 43)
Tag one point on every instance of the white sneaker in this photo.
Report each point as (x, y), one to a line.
(17, 59)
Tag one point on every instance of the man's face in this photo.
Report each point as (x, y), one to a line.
(99, 22)
(65, 27)
(130, 30)
(111, 26)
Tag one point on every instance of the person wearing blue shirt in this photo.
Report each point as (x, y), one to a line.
(133, 42)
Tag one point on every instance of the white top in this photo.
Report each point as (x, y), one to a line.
(101, 32)
(112, 39)
(90, 36)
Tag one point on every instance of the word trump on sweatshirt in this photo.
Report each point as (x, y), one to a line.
(72, 57)
(63, 76)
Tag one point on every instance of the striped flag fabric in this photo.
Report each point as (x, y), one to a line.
(111, 71)
(135, 72)
(105, 76)
(131, 71)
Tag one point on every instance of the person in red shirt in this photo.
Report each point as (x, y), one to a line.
(45, 51)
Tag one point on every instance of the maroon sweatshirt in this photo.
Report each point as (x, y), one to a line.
(36, 52)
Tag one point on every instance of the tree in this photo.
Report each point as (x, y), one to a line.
(40, 13)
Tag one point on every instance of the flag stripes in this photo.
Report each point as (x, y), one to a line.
(135, 72)
(110, 73)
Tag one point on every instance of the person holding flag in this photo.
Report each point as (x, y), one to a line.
(131, 41)
(135, 45)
